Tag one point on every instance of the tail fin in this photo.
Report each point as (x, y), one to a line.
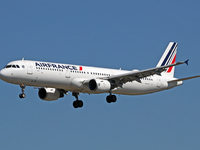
(169, 57)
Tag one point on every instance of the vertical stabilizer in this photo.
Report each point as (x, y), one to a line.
(169, 57)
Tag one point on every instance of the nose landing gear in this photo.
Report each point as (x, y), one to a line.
(22, 95)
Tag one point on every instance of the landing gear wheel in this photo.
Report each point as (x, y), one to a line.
(22, 95)
(114, 98)
(108, 99)
(78, 104)
(75, 104)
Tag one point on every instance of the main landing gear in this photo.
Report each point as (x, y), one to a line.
(22, 95)
(77, 103)
(111, 98)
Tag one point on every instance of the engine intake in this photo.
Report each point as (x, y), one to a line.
(49, 94)
(99, 86)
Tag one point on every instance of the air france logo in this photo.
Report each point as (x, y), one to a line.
(57, 66)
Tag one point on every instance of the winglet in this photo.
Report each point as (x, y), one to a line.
(187, 61)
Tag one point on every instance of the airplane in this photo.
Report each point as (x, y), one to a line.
(54, 80)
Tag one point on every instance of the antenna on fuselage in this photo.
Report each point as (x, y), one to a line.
(22, 59)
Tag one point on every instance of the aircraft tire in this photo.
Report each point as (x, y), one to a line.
(80, 103)
(113, 98)
(75, 104)
(108, 99)
(22, 95)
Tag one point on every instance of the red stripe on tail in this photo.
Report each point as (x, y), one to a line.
(170, 68)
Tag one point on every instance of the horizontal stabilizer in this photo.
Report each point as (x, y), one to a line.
(183, 79)
(187, 62)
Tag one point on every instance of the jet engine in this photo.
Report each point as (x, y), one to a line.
(49, 94)
(99, 86)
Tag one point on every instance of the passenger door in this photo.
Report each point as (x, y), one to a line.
(29, 68)
(67, 73)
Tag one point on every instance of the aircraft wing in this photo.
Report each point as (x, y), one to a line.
(121, 79)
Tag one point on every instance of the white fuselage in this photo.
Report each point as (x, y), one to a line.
(70, 77)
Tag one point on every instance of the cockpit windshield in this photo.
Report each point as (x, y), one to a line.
(12, 66)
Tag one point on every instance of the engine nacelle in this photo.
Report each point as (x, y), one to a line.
(49, 94)
(100, 86)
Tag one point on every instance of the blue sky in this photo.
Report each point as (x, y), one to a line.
(112, 34)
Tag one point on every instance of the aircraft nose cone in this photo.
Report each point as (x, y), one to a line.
(0, 74)
(3, 74)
